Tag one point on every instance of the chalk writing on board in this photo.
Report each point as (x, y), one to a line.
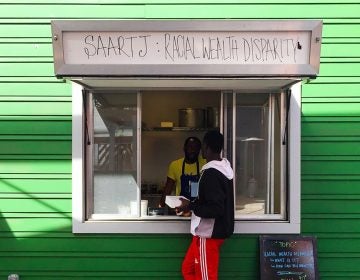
(187, 48)
(288, 258)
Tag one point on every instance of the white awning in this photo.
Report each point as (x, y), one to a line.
(239, 85)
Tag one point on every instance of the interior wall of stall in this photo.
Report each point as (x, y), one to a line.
(35, 147)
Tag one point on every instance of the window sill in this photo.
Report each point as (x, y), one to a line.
(180, 225)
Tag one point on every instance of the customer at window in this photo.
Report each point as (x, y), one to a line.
(184, 173)
(213, 212)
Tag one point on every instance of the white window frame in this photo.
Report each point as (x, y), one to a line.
(81, 225)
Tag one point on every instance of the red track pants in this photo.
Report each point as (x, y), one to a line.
(201, 261)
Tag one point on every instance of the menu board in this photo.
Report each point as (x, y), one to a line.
(288, 258)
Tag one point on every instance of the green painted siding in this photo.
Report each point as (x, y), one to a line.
(35, 147)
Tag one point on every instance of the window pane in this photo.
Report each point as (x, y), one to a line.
(115, 189)
(257, 155)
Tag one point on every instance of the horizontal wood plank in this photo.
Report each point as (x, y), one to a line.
(38, 166)
(35, 127)
(331, 109)
(328, 167)
(35, 186)
(27, 147)
(35, 108)
(325, 148)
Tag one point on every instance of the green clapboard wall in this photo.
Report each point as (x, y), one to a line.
(35, 147)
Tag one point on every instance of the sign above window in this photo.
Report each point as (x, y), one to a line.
(187, 48)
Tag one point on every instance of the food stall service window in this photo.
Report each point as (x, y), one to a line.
(119, 147)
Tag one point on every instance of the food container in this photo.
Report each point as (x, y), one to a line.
(192, 117)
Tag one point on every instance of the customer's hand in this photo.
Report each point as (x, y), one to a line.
(183, 208)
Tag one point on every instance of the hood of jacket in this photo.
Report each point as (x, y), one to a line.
(222, 165)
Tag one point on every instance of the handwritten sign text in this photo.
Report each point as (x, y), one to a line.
(186, 48)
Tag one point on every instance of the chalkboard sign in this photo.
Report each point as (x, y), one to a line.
(288, 258)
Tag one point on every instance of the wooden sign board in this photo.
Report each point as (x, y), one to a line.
(288, 258)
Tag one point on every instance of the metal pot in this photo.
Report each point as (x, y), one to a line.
(191, 117)
(212, 117)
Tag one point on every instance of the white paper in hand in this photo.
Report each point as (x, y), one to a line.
(173, 200)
